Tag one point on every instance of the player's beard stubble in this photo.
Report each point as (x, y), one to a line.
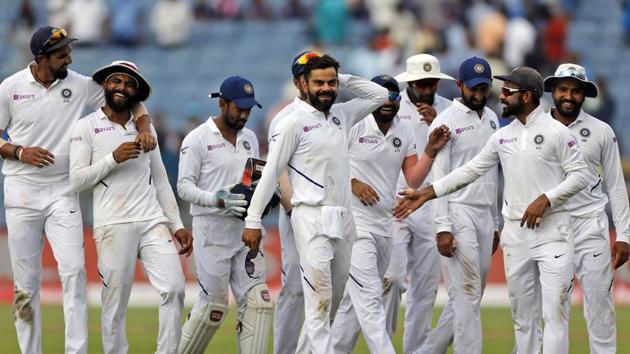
(322, 100)
(115, 105)
(513, 109)
(573, 111)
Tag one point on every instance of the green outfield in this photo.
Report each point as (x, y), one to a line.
(142, 330)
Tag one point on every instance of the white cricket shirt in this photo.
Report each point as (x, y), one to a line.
(208, 162)
(33, 115)
(539, 157)
(134, 190)
(469, 134)
(598, 143)
(376, 159)
(315, 150)
(285, 111)
(409, 112)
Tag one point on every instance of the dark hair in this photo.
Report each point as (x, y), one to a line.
(323, 62)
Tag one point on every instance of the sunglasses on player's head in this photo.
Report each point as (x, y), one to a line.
(53, 39)
(306, 57)
(509, 91)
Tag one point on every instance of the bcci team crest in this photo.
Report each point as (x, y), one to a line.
(493, 125)
(66, 93)
(396, 142)
(585, 132)
(246, 145)
(427, 67)
(478, 68)
(538, 139)
(336, 121)
(386, 77)
(249, 89)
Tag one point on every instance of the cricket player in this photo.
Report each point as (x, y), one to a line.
(414, 255)
(313, 143)
(212, 159)
(380, 146)
(135, 211)
(290, 303)
(38, 108)
(569, 86)
(543, 168)
(466, 221)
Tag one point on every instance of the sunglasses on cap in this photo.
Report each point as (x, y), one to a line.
(571, 73)
(509, 91)
(250, 267)
(53, 39)
(394, 96)
(306, 57)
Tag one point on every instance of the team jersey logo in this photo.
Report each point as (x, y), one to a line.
(427, 67)
(464, 129)
(396, 142)
(23, 97)
(246, 145)
(478, 68)
(585, 132)
(308, 128)
(66, 93)
(492, 123)
(336, 121)
(538, 139)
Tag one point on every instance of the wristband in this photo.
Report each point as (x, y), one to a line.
(15, 152)
(20, 154)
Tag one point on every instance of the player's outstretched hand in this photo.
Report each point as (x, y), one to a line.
(235, 204)
(496, 240)
(446, 244)
(366, 194)
(146, 141)
(427, 112)
(437, 139)
(534, 212)
(412, 200)
(36, 156)
(251, 238)
(620, 253)
(126, 151)
(184, 237)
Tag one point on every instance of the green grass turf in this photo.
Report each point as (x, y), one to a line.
(142, 331)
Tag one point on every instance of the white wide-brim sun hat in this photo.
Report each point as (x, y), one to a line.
(420, 67)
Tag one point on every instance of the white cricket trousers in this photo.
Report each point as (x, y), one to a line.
(593, 271)
(361, 308)
(33, 209)
(465, 277)
(118, 246)
(539, 269)
(414, 257)
(324, 246)
(290, 303)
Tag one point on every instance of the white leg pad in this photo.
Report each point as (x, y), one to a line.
(201, 327)
(253, 329)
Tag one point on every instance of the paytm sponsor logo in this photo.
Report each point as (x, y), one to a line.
(464, 129)
(308, 128)
(216, 146)
(105, 129)
(507, 141)
(364, 140)
(23, 97)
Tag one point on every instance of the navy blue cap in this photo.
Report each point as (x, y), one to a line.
(42, 43)
(387, 81)
(297, 66)
(475, 71)
(239, 90)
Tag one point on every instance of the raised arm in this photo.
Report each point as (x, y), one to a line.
(369, 96)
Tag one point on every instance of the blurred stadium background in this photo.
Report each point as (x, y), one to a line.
(185, 48)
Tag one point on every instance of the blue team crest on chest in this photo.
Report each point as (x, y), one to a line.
(336, 121)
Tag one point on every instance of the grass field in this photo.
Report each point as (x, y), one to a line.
(142, 331)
